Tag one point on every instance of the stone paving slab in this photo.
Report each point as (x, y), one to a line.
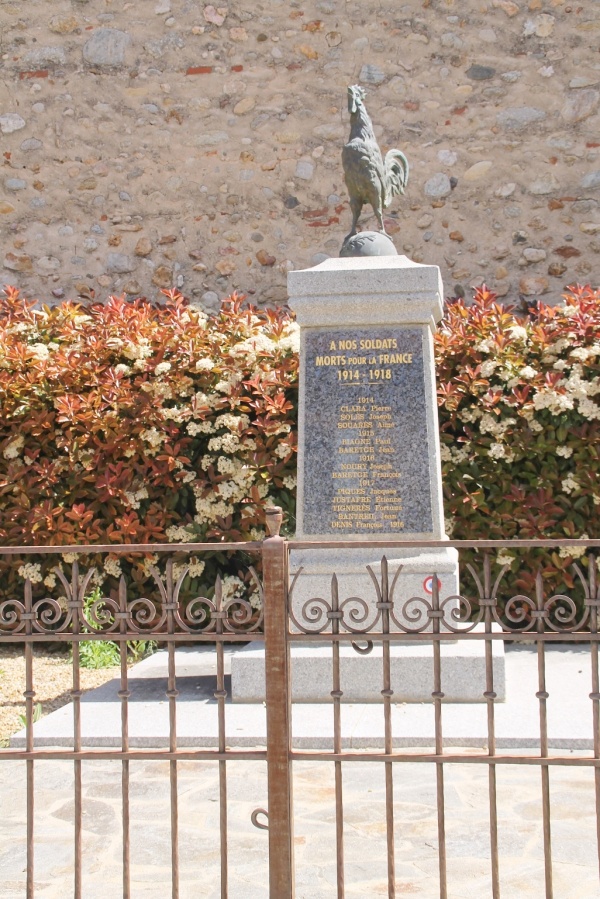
(464, 724)
(575, 867)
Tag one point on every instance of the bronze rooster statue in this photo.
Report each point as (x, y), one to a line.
(369, 177)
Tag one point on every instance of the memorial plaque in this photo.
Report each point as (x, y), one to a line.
(366, 452)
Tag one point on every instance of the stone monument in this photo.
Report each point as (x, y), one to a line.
(369, 456)
(369, 469)
(368, 451)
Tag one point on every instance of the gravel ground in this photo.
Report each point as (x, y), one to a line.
(52, 675)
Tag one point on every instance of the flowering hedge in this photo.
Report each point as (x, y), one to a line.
(520, 424)
(133, 422)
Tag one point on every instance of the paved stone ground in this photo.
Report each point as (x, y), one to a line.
(568, 680)
(520, 828)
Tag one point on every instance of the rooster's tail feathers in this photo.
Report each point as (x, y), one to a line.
(396, 170)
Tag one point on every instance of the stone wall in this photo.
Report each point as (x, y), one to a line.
(170, 143)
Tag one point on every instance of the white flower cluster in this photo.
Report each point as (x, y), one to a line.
(122, 369)
(496, 426)
(196, 567)
(236, 488)
(551, 399)
(153, 437)
(31, 571)
(112, 567)
(488, 367)
(227, 383)
(233, 588)
(517, 332)
(133, 498)
(232, 422)
(139, 350)
(13, 449)
(158, 388)
(204, 365)
(570, 484)
(225, 465)
(470, 415)
(148, 562)
(179, 568)
(459, 454)
(229, 443)
(573, 552)
(173, 413)
(500, 451)
(565, 451)
(290, 339)
(575, 389)
(528, 372)
(40, 350)
(177, 534)
(255, 601)
(199, 427)
(504, 558)
(162, 368)
(251, 347)
(69, 558)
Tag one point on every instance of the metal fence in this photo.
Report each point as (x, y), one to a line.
(332, 621)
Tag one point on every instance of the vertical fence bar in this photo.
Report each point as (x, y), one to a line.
(279, 710)
(437, 695)
(172, 694)
(488, 601)
(336, 695)
(220, 696)
(124, 694)
(29, 697)
(76, 606)
(385, 605)
(542, 695)
(593, 600)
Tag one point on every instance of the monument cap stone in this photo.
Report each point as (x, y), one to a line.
(367, 290)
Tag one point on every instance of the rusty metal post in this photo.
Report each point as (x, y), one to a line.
(279, 710)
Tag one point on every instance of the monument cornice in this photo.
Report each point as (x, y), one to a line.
(367, 290)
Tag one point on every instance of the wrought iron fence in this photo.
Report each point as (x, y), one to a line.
(382, 618)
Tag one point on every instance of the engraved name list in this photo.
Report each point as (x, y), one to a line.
(366, 445)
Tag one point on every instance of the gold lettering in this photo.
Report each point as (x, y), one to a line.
(330, 360)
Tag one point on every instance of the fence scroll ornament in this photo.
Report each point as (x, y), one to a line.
(456, 614)
(355, 615)
(104, 616)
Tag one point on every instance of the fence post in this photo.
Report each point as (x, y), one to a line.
(279, 710)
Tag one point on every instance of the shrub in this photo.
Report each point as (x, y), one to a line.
(520, 424)
(139, 422)
(144, 422)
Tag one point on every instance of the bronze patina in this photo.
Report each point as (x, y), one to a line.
(370, 177)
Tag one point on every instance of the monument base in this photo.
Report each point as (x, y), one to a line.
(412, 670)
(350, 567)
(361, 676)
